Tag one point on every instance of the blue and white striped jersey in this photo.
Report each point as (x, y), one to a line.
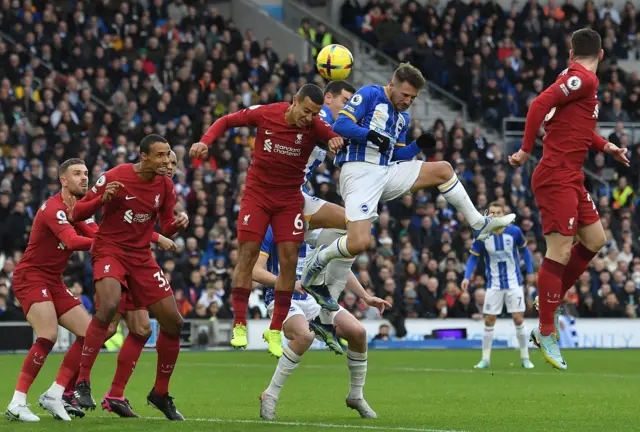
(370, 109)
(502, 258)
(318, 154)
(270, 250)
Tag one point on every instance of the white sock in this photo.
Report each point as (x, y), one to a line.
(521, 334)
(56, 390)
(337, 274)
(487, 341)
(337, 249)
(286, 365)
(456, 195)
(357, 363)
(19, 398)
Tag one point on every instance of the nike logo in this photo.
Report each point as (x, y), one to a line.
(268, 132)
(129, 198)
(297, 232)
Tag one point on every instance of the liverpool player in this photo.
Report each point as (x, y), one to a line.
(139, 326)
(286, 136)
(570, 109)
(132, 197)
(46, 301)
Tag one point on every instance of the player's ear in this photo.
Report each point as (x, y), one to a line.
(295, 100)
(601, 55)
(570, 55)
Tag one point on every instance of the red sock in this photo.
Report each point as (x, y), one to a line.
(578, 263)
(127, 359)
(70, 364)
(168, 348)
(240, 301)
(281, 305)
(549, 293)
(70, 388)
(96, 334)
(33, 363)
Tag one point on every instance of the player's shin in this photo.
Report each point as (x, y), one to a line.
(457, 196)
(240, 301)
(550, 293)
(337, 249)
(286, 365)
(521, 335)
(357, 364)
(68, 370)
(487, 342)
(580, 258)
(31, 367)
(127, 360)
(281, 305)
(168, 348)
(95, 337)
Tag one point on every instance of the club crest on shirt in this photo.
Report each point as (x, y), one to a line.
(157, 202)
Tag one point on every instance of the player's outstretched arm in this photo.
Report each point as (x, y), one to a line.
(260, 274)
(100, 193)
(88, 228)
(354, 285)
(472, 263)
(59, 225)
(353, 112)
(426, 141)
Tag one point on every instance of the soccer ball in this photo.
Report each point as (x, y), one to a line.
(334, 62)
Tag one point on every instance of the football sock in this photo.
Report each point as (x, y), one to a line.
(127, 359)
(32, 364)
(286, 365)
(487, 342)
(168, 348)
(240, 301)
(357, 364)
(71, 385)
(457, 196)
(578, 263)
(70, 365)
(337, 249)
(549, 293)
(281, 305)
(56, 390)
(95, 337)
(521, 335)
(337, 274)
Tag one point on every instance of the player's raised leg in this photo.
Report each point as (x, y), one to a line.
(591, 239)
(296, 329)
(43, 319)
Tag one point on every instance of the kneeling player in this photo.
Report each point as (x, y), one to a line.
(296, 328)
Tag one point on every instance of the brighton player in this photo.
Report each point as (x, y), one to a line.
(304, 310)
(286, 136)
(139, 331)
(570, 109)
(46, 301)
(501, 253)
(376, 122)
(132, 197)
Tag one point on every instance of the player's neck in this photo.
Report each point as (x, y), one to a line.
(65, 194)
(288, 117)
(591, 65)
(143, 173)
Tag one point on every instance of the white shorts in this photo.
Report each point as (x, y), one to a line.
(311, 205)
(364, 185)
(308, 308)
(495, 299)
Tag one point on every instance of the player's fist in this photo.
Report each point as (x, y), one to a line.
(619, 154)
(181, 221)
(519, 158)
(379, 140)
(166, 244)
(111, 190)
(336, 144)
(199, 150)
(464, 285)
(298, 287)
(426, 141)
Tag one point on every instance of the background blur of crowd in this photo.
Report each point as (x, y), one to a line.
(90, 79)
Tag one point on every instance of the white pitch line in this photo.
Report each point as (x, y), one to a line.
(316, 425)
(425, 370)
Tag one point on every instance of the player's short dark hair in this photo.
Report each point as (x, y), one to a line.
(312, 92)
(496, 204)
(64, 166)
(149, 140)
(410, 74)
(336, 87)
(586, 43)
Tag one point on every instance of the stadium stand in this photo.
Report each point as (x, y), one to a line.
(89, 79)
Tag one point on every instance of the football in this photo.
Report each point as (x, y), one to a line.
(334, 62)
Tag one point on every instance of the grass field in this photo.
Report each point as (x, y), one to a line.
(416, 391)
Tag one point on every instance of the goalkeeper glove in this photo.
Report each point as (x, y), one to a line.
(379, 140)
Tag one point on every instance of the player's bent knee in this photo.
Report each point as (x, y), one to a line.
(113, 328)
(518, 319)
(489, 320)
(357, 334)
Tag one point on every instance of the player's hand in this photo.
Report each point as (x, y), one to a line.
(519, 158)
(166, 244)
(336, 144)
(199, 150)
(111, 190)
(377, 303)
(464, 285)
(619, 154)
(181, 221)
(426, 141)
(379, 140)
(70, 202)
(531, 279)
(298, 287)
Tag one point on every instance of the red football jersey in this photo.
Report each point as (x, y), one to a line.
(52, 241)
(569, 108)
(281, 151)
(128, 220)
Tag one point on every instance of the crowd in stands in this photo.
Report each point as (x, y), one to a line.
(90, 79)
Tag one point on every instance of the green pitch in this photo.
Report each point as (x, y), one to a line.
(415, 391)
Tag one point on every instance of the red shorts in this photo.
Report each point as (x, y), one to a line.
(143, 279)
(282, 210)
(126, 303)
(563, 206)
(41, 289)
